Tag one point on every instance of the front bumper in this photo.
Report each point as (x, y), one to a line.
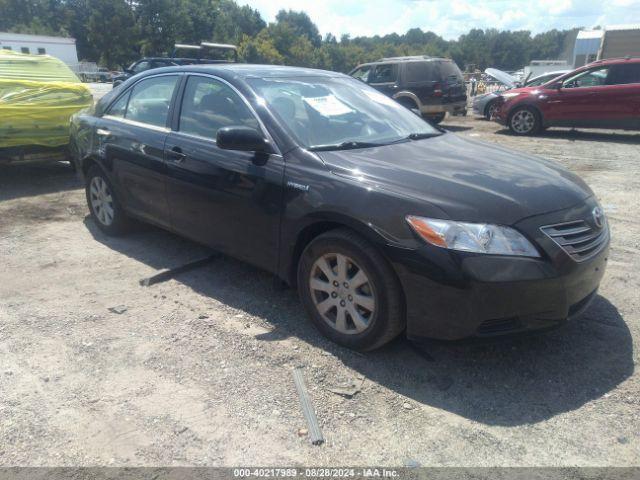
(453, 295)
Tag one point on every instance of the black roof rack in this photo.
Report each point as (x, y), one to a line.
(410, 58)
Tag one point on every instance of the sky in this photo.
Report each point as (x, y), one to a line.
(451, 18)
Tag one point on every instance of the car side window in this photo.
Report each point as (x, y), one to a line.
(624, 74)
(591, 78)
(417, 72)
(209, 105)
(141, 67)
(119, 108)
(362, 74)
(384, 74)
(150, 100)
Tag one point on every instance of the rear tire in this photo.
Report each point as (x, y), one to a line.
(524, 121)
(350, 291)
(409, 104)
(106, 210)
(436, 118)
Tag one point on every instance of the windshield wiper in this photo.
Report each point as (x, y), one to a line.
(421, 136)
(344, 146)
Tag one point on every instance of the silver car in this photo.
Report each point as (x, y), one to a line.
(484, 105)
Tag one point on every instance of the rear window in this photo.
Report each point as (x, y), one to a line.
(624, 74)
(449, 71)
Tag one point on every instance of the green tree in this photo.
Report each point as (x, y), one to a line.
(109, 31)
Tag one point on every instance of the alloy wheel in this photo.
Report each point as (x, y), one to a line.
(101, 200)
(342, 293)
(523, 121)
(492, 110)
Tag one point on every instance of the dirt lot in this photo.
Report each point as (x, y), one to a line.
(197, 370)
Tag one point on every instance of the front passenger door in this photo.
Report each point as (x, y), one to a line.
(384, 78)
(225, 199)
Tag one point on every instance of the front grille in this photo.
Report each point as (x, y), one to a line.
(579, 239)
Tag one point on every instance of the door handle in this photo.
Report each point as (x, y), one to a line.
(103, 132)
(176, 155)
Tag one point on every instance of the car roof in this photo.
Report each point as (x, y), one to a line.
(235, 70)
(613, 61)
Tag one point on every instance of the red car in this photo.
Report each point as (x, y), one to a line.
(603, 94)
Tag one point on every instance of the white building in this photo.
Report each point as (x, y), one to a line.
(538, 67)
(60, 47)
(587, 46)
(620, 41)
(610, 42)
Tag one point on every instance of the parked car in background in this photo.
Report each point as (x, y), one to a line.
(485, 105)
(384, 222)
(38, 95)
(603, 94)
(432, 86)
(151, 63)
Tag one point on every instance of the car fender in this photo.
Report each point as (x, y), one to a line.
(316, 223)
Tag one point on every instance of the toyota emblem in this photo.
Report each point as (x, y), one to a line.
(598, 217)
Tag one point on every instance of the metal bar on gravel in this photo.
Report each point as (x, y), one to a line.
(170, 273)
(307, 408)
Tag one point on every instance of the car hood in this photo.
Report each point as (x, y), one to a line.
(501, 76)
(468, 180)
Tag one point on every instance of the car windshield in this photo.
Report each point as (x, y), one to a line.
(336, 112)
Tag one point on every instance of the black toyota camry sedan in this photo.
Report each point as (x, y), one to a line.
(384, 223)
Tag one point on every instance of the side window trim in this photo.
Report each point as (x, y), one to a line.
(107, 111)
(586, 72)
(175, 120)
(172, 103)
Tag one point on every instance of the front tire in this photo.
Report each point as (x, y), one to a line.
(491, 109)
(350, 291)
(105, 208)
(524, 121)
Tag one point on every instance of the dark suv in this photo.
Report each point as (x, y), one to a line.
(433, 86)
(145, 64)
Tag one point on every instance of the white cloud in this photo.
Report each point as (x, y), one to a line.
(450, 18)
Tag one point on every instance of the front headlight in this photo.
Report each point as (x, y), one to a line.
(472, 237)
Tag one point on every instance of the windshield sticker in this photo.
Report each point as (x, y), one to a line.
(379, 97)
(328, 106)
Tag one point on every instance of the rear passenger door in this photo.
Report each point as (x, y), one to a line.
(131, 137)
(624, 81)
(229, 200)
(421, 79)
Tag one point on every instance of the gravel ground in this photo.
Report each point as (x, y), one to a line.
(197, 370)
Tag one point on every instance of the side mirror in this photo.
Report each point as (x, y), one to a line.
(127, 70)
(556, 86)
(244, 139)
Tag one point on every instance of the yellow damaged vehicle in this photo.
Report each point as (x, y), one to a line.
(38, 95)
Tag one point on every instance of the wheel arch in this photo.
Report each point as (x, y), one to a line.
(530, 105)
(406, 95)
(316, 225)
